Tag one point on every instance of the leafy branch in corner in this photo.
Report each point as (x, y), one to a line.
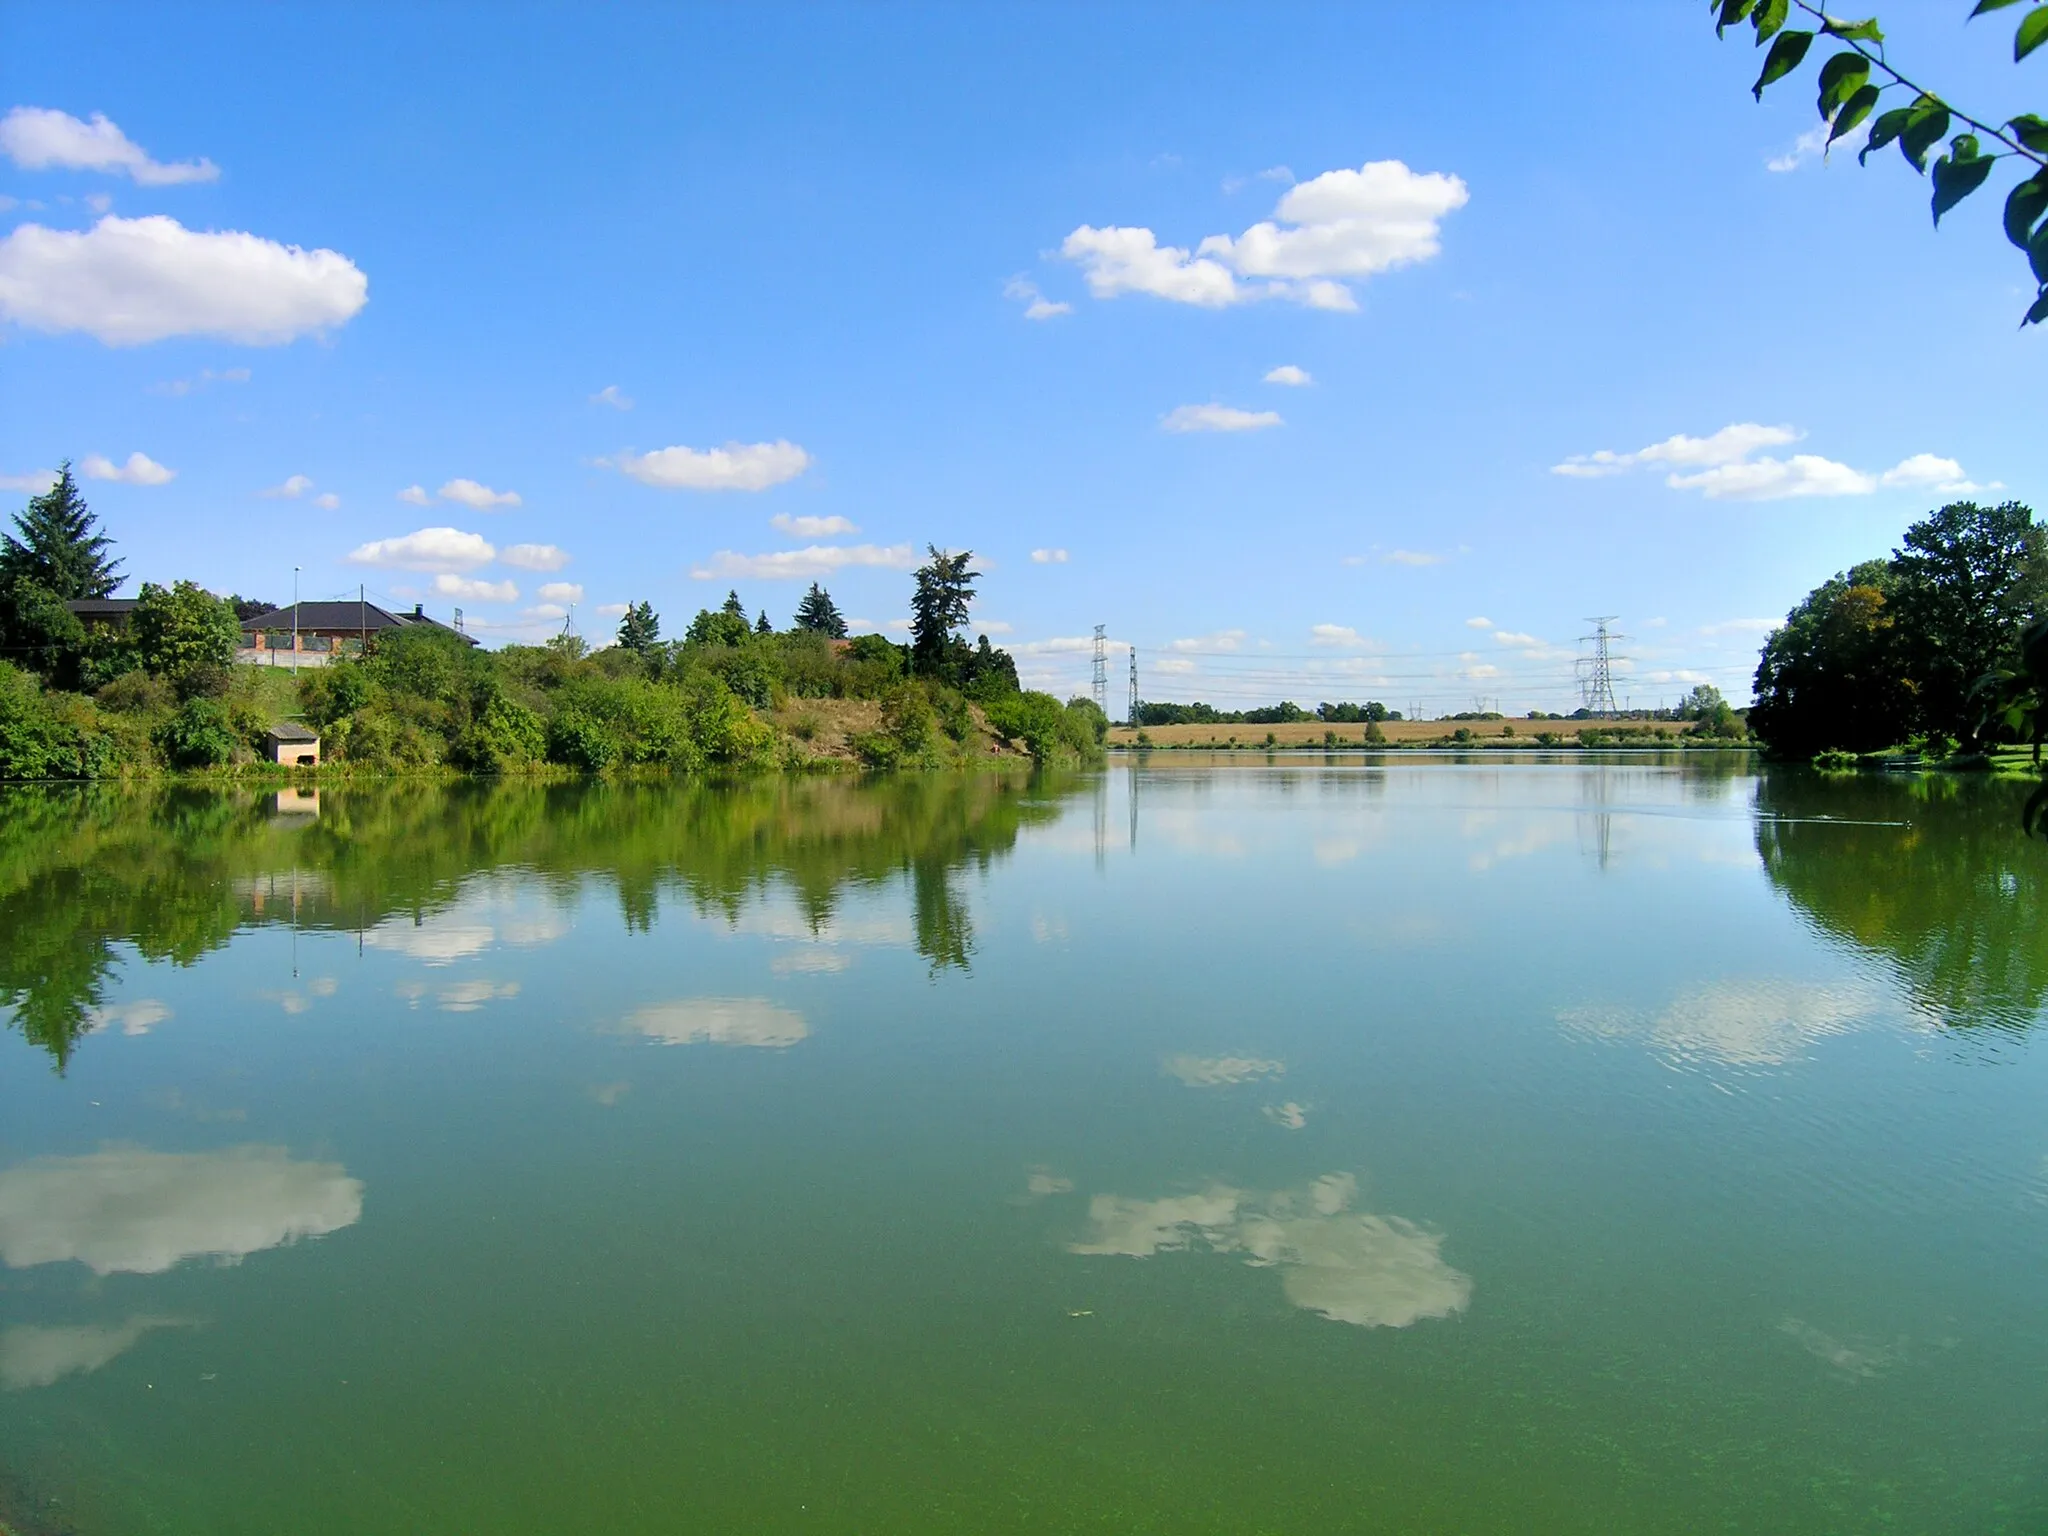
(1852, 86)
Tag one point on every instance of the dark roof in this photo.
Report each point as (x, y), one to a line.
(102, 607)
(291, 730)
(343, 618)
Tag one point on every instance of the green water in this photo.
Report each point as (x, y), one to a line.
(1312, 1145)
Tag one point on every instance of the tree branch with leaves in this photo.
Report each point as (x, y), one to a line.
(1853, 83)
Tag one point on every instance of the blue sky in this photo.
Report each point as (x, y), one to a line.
(862, 279)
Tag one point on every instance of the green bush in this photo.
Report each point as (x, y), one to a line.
(503, 735)
(1834, 760)
(577, 741)
(724, 730)
(199, 735)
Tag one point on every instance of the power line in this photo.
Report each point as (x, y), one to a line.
(1101, 678)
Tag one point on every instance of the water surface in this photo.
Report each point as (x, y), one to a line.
(1239, 1145)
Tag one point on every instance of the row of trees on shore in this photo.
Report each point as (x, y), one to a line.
(1909, 650)
(160, 691)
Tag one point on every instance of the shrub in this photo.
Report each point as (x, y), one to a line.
(1834, 760)
(1034, 719)
(199, 735)
(908, 719)
(503, 735)
(1374, 736)
(577, 741)
(137, 693)
(724, 730)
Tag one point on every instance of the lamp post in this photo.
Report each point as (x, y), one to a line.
(295, 623)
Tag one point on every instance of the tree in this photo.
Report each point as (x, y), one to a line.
(938, 606)
(60, 547)
(1830, 676)
(817, 614)
(728, 626)
(1969, 579)
(1853, 82)
(184, 633)
(640, 629)
(733, 605)
(762, 626)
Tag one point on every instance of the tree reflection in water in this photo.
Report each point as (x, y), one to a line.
(1928, 873)
(176, 872)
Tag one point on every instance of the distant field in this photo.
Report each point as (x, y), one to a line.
(1398, 732)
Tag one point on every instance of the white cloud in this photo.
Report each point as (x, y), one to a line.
(1741, 627)
(1036, 305)
(1727, 465)
(1510, 637)
(1220, 1071)
(735, 467)
(751, 1021)
(1813, 145)
(478, 498)
(130, 281)
(544, 611)
(1048, 557)
(1334, 635)
(812, 527)
(42, 138)
(561, 592)
(534, 557)
(1727, 446)
(472, 590)
(804, 564)
(1344, 224)
(132, 1211)
(610, 610)
(1217, 418)
(38, 1356)
(1288, 374)
(427, 549)
(178, 388)
(1768, 479)
(469, 996)
(433, 941)
(327, 501)
(1477, 622)
(1740, 1022)
(35, 482)
(1345, 1265)
(1411, 557)
(1219, 640)
(293, 487)
(614, 397)
(135, 1018)
(416, 496)
(140, 469)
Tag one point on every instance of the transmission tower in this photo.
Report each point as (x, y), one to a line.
(1596, 672)
(1134, 687)
(1101, 682)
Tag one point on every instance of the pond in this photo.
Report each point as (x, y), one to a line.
(1247, 1144)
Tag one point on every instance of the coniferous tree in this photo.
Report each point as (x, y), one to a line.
(60, 547)
(817, 614)
(640, 629)
(762, 626)
(734, 606)
(938, 606)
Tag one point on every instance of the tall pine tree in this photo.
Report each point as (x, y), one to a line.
(817, 614)
(60, 548)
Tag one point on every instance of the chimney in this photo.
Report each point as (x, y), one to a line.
(419, 610)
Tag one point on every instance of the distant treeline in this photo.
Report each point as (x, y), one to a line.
(1286, 712)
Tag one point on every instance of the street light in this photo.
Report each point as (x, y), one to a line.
(295, 623)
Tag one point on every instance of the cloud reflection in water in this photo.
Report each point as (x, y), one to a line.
(1345, 1265)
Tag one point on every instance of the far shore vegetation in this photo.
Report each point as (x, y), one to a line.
(155, 689)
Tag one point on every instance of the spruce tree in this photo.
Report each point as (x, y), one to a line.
(640, 629)
(762, 626)
(938, 607)
(817, 614)
(734, 606)
(60, 547)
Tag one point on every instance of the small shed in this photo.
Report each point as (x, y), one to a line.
(293, 745)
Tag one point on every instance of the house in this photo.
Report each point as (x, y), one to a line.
(325, 629)
(292, 745)
(102, 612)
